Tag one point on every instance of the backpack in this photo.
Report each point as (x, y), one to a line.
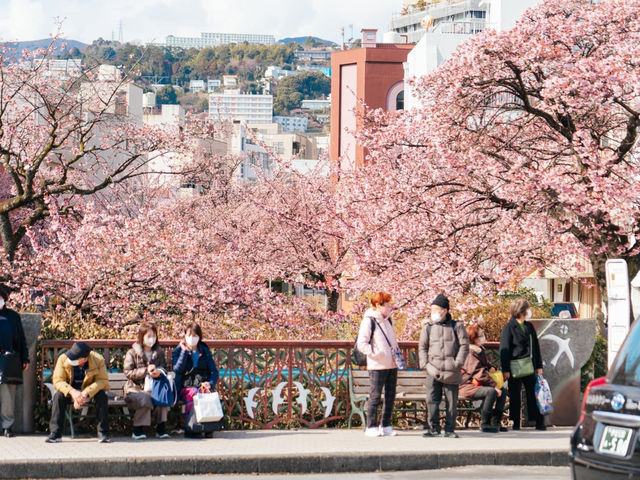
(164, 392)
(357, 357)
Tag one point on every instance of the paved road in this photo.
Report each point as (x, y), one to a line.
(465, 473)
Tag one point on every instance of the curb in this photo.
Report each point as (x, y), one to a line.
(326, 463)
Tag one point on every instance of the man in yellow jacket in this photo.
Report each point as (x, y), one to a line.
(80, 376)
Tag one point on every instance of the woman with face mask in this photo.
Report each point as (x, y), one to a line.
(478, 384)
(521, 361)
(144, 359)
(195, 370)
(377, 340)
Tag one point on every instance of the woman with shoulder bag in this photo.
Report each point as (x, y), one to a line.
(521, 361)
(377, 340)
(195, 370)
(143, 360)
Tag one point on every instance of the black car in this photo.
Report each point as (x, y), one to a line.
(606, 441)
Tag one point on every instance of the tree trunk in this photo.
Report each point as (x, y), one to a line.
(333, 298)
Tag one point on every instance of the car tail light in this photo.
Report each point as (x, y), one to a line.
(594, 383)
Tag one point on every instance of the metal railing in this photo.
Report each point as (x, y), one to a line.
(264, 384)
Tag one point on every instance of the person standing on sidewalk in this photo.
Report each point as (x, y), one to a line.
(15, 359)
(443, 349)
(80, 377)
(478, 384)
(377, 340)
(145, 358)
(519, 349)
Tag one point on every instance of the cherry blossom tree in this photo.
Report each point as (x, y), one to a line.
(64, 137)
(522, 155)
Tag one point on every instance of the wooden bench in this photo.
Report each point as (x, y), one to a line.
(411, 387)
(117, 382)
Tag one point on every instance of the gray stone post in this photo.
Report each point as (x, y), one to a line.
(26, 393)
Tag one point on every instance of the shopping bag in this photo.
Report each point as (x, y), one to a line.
(498, 378)
(148, 383)
(207, 407)
(543, 396)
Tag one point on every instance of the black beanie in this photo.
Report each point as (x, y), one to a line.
(78, 350)
(441, 301)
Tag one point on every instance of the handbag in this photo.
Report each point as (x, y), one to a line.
(543, 396)
(163, 390)
(10, 368)
(207, 407)
(523, 367)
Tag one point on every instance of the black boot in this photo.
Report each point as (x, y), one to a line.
(485, 425)
(6, 432)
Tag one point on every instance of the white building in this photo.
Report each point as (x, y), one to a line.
(216, 39)
(241, 106)
(468, 15)
(278, 73)
(292, 124)
(212, 84)
(197, 86)
(229, 81)
(440, 41)
(320, 104)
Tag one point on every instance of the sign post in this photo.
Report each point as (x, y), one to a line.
(618, 307)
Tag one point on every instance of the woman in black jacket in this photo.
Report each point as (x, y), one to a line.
(13, 348)
(195, 369)
(519, 341)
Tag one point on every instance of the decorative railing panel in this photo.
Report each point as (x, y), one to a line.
(265, 384)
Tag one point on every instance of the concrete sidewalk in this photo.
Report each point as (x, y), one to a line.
(278, 451)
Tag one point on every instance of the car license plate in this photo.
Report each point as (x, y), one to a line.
(615, 440)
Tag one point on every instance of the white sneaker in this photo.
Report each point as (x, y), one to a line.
(387, 431)
(372, 432)
(138, 437)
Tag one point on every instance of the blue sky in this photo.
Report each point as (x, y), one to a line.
(152, 20)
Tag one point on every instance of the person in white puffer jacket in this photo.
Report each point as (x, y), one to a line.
(377, 340)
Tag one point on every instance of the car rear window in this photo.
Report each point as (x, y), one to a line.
(626, 370)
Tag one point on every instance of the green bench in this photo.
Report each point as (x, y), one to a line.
(411, 388)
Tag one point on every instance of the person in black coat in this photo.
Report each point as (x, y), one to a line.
(13, 347)
(519, 340)
(195, 369)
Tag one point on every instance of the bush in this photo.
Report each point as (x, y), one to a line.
(597, 365)
(494, 312)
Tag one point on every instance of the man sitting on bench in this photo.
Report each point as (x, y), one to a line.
(79, 377)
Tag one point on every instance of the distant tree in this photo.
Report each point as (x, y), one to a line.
(292, 90)
(166, 96)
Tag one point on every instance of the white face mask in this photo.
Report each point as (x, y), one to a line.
(2, 303)
(529, 314)
(149, 341)
(192, 341)
(74, 363)
(436, 317)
